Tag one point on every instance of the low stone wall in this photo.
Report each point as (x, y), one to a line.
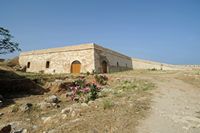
(91, 57)
(143, 64)
(191, 67)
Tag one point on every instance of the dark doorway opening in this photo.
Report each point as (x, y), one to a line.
(104, 67)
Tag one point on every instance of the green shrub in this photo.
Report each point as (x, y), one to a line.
(93, 93)
(41, 71)
(153, 69)
(88, 73)
(80, 82)
(101, 79)
(81, 91)
(198, 73)
(94, 72)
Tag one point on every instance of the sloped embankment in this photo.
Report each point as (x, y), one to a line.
(11, 83)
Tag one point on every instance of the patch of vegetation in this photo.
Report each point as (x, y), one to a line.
(152, 69)
(80, 82)
(107, 104)
(81, 91)
(135, 85)
(192, 77)
(101, 79)
(15, 108)
(41, 78)
(198, 72)
(93, 93)
(88, 73)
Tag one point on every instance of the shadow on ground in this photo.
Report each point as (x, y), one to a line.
(16, 86)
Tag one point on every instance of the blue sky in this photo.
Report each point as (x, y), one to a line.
(160, 30)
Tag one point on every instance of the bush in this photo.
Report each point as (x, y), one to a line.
(41, 71)
(88, 73)
(152, 69)
(81, 91)
(93, 93)
(80, 82)
(94, 72)
(198, 73)
(101, 79)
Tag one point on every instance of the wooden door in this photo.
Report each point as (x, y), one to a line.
(76, 67)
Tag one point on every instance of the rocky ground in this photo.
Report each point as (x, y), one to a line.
(119, 106)
(134, 101)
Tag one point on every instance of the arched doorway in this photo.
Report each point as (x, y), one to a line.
(76, 67)
(104, 67)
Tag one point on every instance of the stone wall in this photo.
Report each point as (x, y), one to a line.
(144, 64)
(112, 58)
(60, 59)
(91, 57)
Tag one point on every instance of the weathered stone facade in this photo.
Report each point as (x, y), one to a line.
(59, 60)
(115, 61)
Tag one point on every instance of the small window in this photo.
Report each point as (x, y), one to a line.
(126, 66)
(28, 65)
(117, 64)
(47, 64)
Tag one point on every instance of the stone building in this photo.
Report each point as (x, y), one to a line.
(75, 59)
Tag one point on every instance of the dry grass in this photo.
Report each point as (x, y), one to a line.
(123, 102)
(191, 77)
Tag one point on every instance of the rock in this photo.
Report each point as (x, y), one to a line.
(21, 131)
(14, 108)
(46, 119)
(35, 127)
(13, 127)
(84, 104)
(6, 129)
(118, 79)
(67, 110)
(1, 103)
(68, 94)
(91, 103)
(73, 114)
(24, 131)
(76, 98)
(64, 116)
(55, 105)
(58, 81)
(44, 105)
(1, 114)
(25, 107)
(52, 99)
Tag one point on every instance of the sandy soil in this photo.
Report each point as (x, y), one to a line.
(175, 107)
(171, 107)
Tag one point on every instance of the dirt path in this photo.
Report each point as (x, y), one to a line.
(175, 108)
